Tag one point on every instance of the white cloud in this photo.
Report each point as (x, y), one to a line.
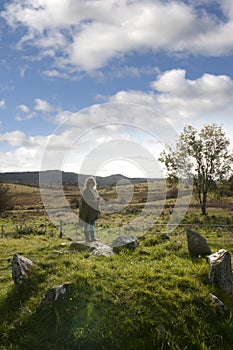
(207, 97)
(2, 104)
(43, 106)
(132, 71)
(24, 108)
(86, 35)
(27, 113)
(21, 159)
(17, 138)
(29, 116)
(127, 115)
(53, 73)
(40, 106)
(86, 133)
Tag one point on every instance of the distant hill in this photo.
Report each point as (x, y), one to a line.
(68, 178)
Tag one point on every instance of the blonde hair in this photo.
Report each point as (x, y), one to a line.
(90, 180)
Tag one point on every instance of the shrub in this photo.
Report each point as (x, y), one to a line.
(23, 230)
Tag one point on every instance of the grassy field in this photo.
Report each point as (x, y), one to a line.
(155, 297)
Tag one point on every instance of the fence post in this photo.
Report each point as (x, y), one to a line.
(2, 231)
(60, 229)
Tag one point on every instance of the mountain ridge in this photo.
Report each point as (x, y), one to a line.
(68, 178)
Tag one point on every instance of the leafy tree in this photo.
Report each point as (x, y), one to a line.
(5, 198)
(225, 188)
(202, 156)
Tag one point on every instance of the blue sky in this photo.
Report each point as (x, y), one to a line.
(110, 80)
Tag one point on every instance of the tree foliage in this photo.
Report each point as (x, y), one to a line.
(202, 156)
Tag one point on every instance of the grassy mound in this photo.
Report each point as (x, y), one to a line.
(155, 297)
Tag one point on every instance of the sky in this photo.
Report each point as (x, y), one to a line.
(102, 86)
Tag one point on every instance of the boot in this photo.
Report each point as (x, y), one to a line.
(87, 236)
(92, 236)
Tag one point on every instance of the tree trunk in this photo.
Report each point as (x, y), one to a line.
(203, 209)
(203, 203)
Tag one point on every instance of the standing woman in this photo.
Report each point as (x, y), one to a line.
(89, 208)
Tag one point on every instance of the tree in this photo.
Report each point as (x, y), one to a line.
(225, 188)
(4, 197)
(204, 157)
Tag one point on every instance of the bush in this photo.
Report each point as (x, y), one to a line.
(29, 230)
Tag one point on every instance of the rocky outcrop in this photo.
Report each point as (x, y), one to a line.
(20, 269)
(197, 244)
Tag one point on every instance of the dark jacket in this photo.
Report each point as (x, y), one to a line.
(88, 206)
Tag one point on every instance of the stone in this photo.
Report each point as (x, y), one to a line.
(100, 249)
(124, 241)
(197, 245)
(53, 295)
(218, 305)
(20, 269)
(221, 271)
(79, 246)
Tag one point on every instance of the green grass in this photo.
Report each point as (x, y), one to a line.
(155, 297)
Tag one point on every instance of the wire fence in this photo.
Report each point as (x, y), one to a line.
(107, 231)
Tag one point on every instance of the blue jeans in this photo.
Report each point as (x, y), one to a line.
(89, 232)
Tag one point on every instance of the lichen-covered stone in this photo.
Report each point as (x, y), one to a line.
(100, 249)
(221, 271)
(20, 268)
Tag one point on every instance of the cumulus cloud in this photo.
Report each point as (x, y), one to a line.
(43, 106)
(40, 106)
(89, 133)
(22, 158)
(87, 35)
(17, 138)
(26, 152)
(183, 99)
(135, 115)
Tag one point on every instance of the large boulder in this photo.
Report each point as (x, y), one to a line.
(124, 241)
(220, 270)
(20, 268)
(197, 244)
